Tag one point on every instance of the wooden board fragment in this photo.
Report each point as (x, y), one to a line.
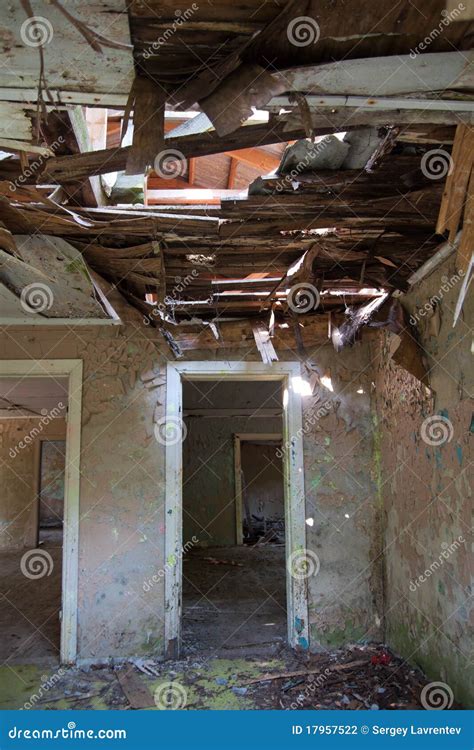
(135, 691)
(148, 125)
(264, 343)
(70, 64)
(466, 244)
(457, 181)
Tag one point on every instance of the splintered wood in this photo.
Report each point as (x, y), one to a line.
(458, 196)
(264, 343)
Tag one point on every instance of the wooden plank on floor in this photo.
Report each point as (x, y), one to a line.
(135, 691)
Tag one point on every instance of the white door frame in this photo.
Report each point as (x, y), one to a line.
(72, 369)
(242, 437)
(295, 528)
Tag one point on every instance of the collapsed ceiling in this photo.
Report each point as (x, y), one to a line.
(251, 162)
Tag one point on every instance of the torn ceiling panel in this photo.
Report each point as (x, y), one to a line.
(48, 279)
(230, 33)
(385, 76)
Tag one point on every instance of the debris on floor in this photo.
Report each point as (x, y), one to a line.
(356, 677)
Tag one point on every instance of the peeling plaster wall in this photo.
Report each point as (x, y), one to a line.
(342, 503)
(425, 486)
(18, 479)
(122, 519)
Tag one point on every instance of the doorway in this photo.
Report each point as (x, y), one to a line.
(40, 414)
(259, 496)
(288, 377)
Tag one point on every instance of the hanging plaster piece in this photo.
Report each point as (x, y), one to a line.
(264, 343)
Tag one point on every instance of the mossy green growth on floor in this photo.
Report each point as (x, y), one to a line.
(211, 686)
(202, 684)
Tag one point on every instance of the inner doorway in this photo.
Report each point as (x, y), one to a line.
(234, 578)
(189, 537)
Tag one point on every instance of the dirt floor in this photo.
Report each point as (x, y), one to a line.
(356, 677)
(29, 606)
(234, 600)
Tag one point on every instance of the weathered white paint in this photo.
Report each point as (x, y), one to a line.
(62, 99)
(70, 62)
(295, 529)
(238, 438)
(72, 369)
(10, 144)
(376, 103)
(14, 123)
(385, 76)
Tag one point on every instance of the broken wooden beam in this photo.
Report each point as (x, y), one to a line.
(69, 168)
(148, 99)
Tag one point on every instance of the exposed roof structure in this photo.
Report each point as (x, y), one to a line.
(218, 162)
